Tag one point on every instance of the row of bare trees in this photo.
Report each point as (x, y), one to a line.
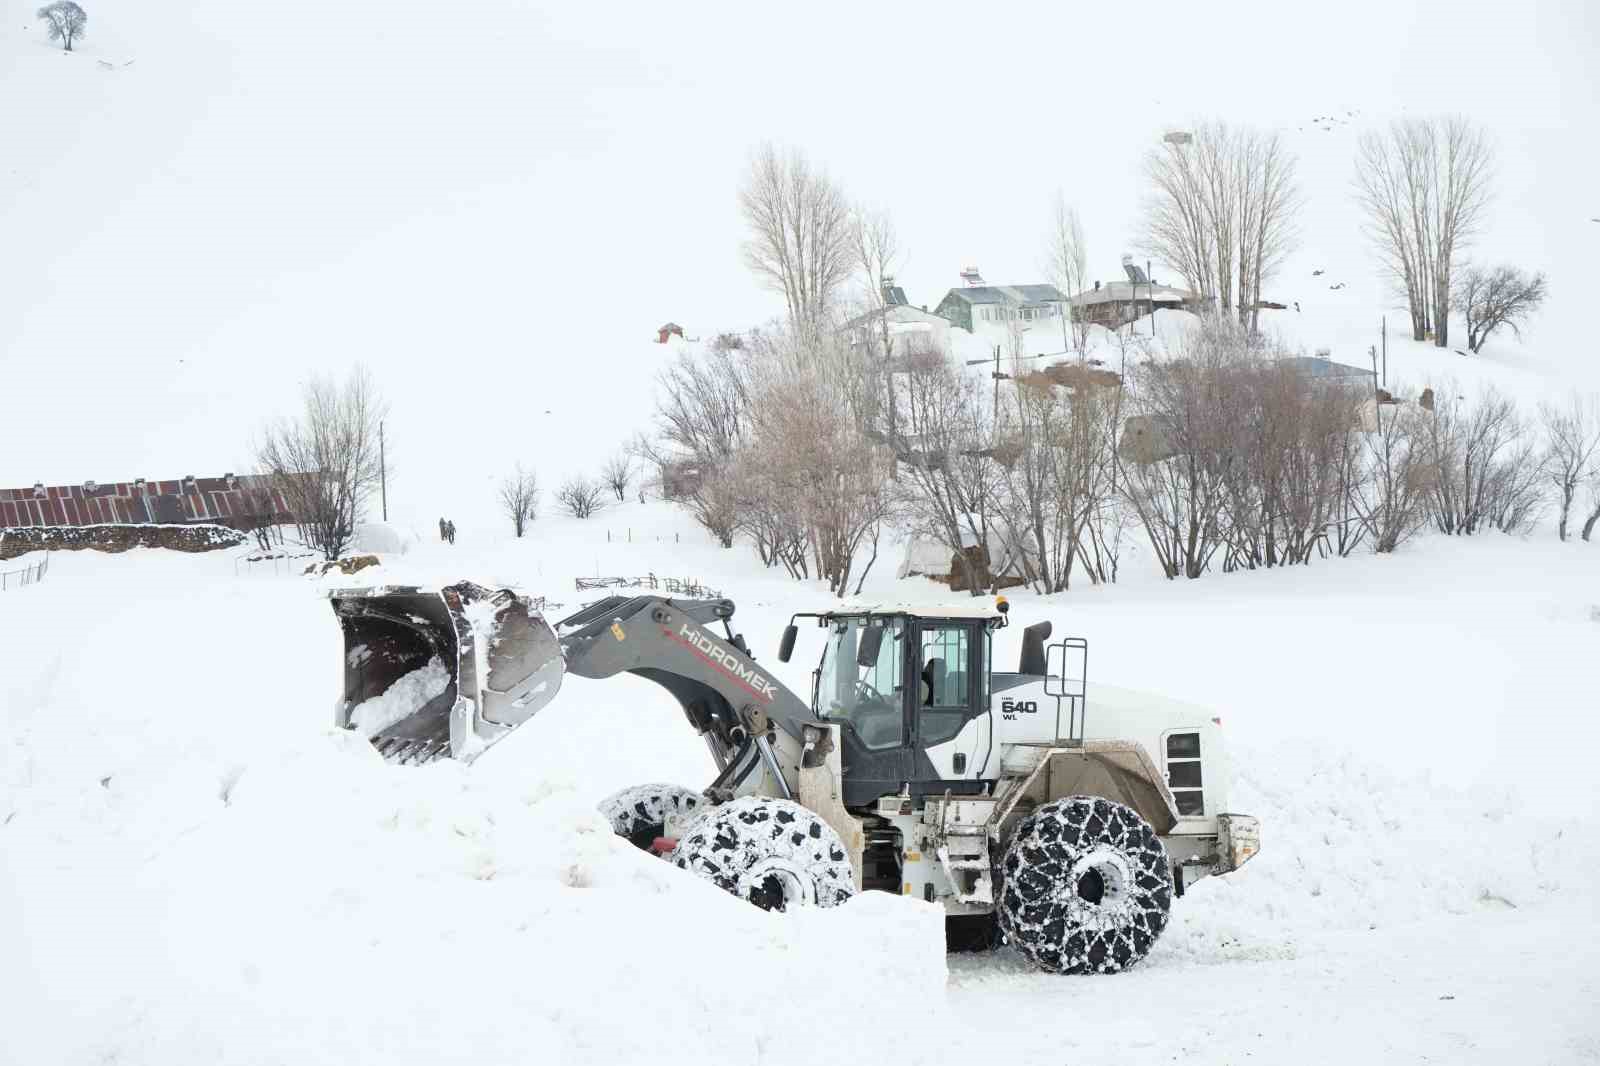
(1220, 212)
(773, 441)
(579, 496)
(1247, 462)
(1224, 453)
(1251, 463)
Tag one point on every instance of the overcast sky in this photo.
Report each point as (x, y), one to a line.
(490, 206)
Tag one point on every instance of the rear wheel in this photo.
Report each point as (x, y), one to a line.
(1087, 886)
(774, 853)
(640, 813)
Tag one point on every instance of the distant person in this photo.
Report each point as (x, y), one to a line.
(450, 532)
(444, 531)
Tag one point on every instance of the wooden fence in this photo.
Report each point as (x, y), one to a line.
(31, 574)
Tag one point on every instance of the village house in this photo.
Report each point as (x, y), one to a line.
(1114, 304)
(977, 307)
(911, 329)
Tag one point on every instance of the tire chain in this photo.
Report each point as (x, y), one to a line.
(643, 808)
(1040, 909)
(734, 837)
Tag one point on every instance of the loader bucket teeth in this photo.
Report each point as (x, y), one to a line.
(442, 673)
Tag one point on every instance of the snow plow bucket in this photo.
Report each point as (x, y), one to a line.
(442, 673)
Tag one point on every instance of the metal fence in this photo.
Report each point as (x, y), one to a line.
(28, 575)
(674, 585)
(277, 563)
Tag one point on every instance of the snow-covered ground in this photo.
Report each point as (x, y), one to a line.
(496, 213)
(194, 868)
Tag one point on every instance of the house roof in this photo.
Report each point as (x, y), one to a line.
(899, 313)
(1314, 367)
(205, 499)
(1126, 291)
(1007, 294)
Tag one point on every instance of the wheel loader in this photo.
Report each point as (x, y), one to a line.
(1060, 816)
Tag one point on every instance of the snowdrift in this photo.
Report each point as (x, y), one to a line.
(195, 868)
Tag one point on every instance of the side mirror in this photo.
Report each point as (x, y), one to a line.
(786, 645)
(871, 641)
(1033, 638)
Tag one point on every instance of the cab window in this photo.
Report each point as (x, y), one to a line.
(944, 697)
(868, 697)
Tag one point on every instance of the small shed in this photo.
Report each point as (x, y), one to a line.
(669, 329)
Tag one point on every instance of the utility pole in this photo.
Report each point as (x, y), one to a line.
(383, 474)
(996, 385)
(1385, 326)
(1150, 291)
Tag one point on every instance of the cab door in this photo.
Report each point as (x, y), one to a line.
(950, 729)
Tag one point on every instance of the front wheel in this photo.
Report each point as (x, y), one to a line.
(1087, 886)
(774, 853)
(640, 813)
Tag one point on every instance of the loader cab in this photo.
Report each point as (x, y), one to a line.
(903, 687)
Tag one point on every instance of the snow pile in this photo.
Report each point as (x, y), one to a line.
(382, 538)
(1350, 847)
(206, 872)
(407, 695)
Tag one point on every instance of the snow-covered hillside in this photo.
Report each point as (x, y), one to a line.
(193, 868)
(496, 212)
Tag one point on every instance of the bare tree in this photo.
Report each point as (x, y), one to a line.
(580, 496)
(1055, 452)
(1572, 451)
(702, 416)
(875, 249)
(1221, 212)
(1485, 464)
(715, 503)
(799, 230)
(1268, 198)
(1392, 498)
(1594, 506)
(1067, 266)
(1489, 299)
(64, 21)
(518, 497)
(813, 398)
(618, 474)
(701, 405)
(1424, 185)
(325, 462)
(1179, 489)
(950, 487)
(258, 510)
(770, 513)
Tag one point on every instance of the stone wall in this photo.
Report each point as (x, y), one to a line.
(15, 541)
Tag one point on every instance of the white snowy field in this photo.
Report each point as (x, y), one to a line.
(194, 868)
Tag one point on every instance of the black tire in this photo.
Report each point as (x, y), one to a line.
(640, 813)
(971, 933)
(1087, 887)
(771, 852)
